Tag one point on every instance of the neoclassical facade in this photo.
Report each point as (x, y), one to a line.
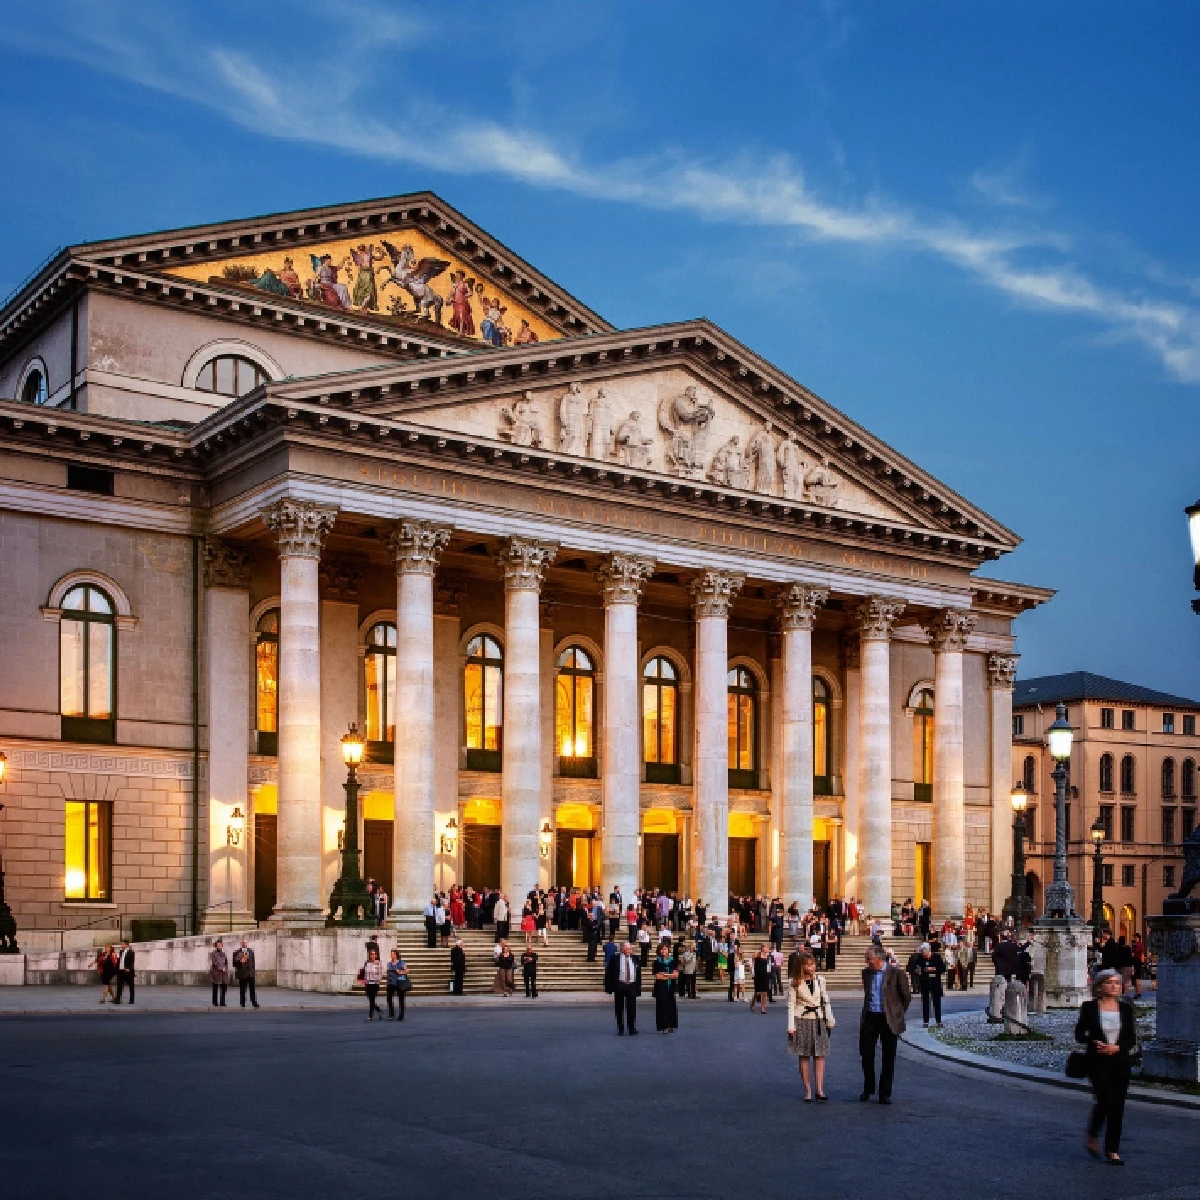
(617, 607)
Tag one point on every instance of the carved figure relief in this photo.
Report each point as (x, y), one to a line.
(633, 443)
(791, 468)
(820, 485)
(728, 467)
(573, 422)
(685, 420)
(521, 424)
(760, 455)
(599, 426)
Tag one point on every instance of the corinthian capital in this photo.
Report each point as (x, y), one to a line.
(799, 604)
(300, 529)
(224, 565)
(523, 562)
(1002, 671)
(621, 577)
(876, 615)
(950, 628)
(417, 546)
(713, 592)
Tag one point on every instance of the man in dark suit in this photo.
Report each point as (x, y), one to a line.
(458, 967)
(125, 961)
(1005, 956)
(623, 981)
(592, 934)
(924, 916)
(886, 996)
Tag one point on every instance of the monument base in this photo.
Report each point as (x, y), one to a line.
(327, 960)
(1061, 948)
(1175, 1051)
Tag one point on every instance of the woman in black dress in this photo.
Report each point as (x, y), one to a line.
(762, 979)
(666, 975)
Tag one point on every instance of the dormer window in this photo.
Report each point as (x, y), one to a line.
(35, 390)
(230, 375)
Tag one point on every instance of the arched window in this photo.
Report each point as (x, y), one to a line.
(1127, 775)
(742, 725)
(660, 721)
(483, 702)
(87, 666)
(1168, 779)
(574, 713)
(1187, 779)
(821, 782)
(230, 375)
(379, 677)
(35, 389)
(1029, 775)
(266, 682)
(923, 745)
(1106, 772)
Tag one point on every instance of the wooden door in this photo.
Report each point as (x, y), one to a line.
(821, 873)
(481, 856)
(266, 855)
(660, 861)
(743, 873)
(377, 853)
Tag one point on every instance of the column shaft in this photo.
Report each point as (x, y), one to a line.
(1002, 669)
(851, 739)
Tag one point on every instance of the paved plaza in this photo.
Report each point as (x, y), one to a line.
(519, 1099)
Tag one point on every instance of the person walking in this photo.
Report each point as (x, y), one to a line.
(458, 967)
(372, 973)
(810, 1018)
(398, 984)
(762, 978)
(931, 969)
(243, 972)
(503, 984)
(218, 973)
(1106, 1026)
(666, 982)
(529, 972)
(126, 957)
(623, 981)
(832, 941)
(687, 971)
(106, 967)
(964, 963)
(886, 996)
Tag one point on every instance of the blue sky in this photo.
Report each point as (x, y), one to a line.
(970, 227)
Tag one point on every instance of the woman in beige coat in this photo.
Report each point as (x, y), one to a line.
(809, 1020)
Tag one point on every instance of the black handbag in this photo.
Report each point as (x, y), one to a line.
(1077, 1065)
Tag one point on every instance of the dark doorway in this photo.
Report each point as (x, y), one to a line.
(576, 858)
(821, 873)
(266, 853)
(481, 856)
(660, 861)
(377, 853)
(743, 861)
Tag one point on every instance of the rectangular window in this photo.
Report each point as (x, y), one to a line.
(1106, 874)
(89, 479)
(1031, 825)
(1168, 722)
(1019, 725)
(1187, 822)
(1127, 875)
(1168, 877)
(1106, 718)
(1127, 718)
(87, 867)
(1106, 819)
(1189, 726)
(1168, 826)
(1127, 811)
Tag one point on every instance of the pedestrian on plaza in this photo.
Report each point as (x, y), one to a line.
(398, 984)
(666, 984)
(886, 996)
(441, 918)
(529, 972)
(809, 1020)
(1125, 964)
(542, 921)
(106, 967)
(931, 970)
(528, 926)
(381, 906)
(218, 973)
(963, 964)
(500, 916)
(643, 937)
(372, 973)
(623, 981)
(687, 970)
(832, 941)
(431, 923)
(504, 984)
(1138, 950)
(776, 974)
(1005, 955)
(591, 934)
(1106, 1025)
(126, 957)
(458, 967)
(762, 978)
(243, 972)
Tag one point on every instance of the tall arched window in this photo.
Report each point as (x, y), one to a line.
(574, 713)
(379, 677)
(822, 785)
(1029, 775)
(923, 745)
(483, 702)
(87, 666)
(1187, 779)
(35, 390)
(1168, 779)
(230, 375)
(660, 721)
(742, 726)
(266, 682)
(1106, 772)
(1127, 775)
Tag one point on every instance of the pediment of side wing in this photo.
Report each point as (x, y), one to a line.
(671, 422)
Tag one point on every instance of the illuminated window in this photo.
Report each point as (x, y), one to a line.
(821, 781)
(266, 682)
(483, 702)
(230, 375)
(87, 665)
(742, 726)
(87, 866)
(574, 707)
(379, 673)
(923, 745)
(660, 721)
(1106, 772)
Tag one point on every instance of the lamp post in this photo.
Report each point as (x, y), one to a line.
(350, 891)
(8, 923)
(1193, 516)
(1098, 833)
(1060, 896)
(1019, 906)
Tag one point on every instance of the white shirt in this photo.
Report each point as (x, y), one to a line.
(500, 912)
(627, 968)
(1110, 1026)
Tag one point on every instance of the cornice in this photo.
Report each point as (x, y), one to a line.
(1009, 599)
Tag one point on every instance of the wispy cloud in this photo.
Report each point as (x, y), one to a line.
(283, 98)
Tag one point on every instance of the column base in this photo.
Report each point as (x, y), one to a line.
(1174, 1053)
(299, 917)
(222, 919)
(1060, 952)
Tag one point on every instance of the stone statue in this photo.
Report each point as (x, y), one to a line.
(728, 468)
(1016, 1008)
(760, 454)
(522, 423)
(572, 422)
(1181, 901)
(685, 420)
(791, 468)
(632, 442)
(995, 1008)
(820, 485)
(599, 427)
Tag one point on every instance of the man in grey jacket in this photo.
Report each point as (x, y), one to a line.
(243, 971)
(886, 996)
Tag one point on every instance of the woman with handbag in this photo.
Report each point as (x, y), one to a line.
(1106, 1026)
(106, 965)
(372, 973)
(398, 983)
(809, 1020)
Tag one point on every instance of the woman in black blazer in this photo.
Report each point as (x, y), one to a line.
(1106, 1025)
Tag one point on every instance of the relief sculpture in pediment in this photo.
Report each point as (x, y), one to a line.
(791, 468)
(821, 484)
(685, 420)
(521, 424)
(573, 422)
(729, 467)
(760, 455)
(633, 444)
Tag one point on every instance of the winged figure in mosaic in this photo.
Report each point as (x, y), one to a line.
(413, 276)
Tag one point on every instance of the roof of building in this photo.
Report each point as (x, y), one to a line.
(1084, 685)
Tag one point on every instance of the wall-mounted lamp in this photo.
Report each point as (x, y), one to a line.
(235, 828)
(545, 836)
(3, 766)
(450, 837)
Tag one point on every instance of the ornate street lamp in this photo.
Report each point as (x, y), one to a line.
(1098, 832)
(8, 923)
(1060, 896)
(1019, 906)
(1193, 516)
(350, 891)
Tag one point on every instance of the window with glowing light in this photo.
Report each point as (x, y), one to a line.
(742, 726)
(266, 682)
(379, 678)
(87, 841)
(660, 721)
(822, 785)
(483, 703)
(87, 665)
(574, 713)
(923, 745)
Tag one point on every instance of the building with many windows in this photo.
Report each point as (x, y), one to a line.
(620, 607)
(1132, 768)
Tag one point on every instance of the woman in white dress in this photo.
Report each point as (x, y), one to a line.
(809, 1020)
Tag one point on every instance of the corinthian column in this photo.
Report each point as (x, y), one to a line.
(523, 563)
(798, 608)
(875, 615)
(621, 579)
(712, 596)
(1002, 670)
(416, 546)
(948, 633)
(300, 530)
